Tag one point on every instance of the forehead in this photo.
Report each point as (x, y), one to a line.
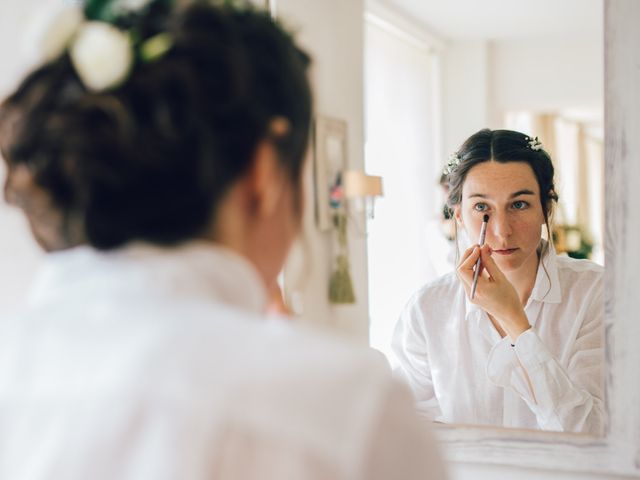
(495, 178)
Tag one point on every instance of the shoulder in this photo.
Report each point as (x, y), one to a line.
(326, 397)
(227, 371)
(442, 290)
(277, 376)
(579, 274)
(579, 265)
(308, 389)
(296, 356)
(436, 298)
(270, 380)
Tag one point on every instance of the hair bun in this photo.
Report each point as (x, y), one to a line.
(150, 159)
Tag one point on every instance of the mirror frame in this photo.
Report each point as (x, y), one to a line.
(618, 451)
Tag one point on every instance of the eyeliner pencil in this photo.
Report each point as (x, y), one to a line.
(476, 271)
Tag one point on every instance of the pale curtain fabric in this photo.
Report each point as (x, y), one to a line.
(401, 128)
(579, 160)
(593, 192)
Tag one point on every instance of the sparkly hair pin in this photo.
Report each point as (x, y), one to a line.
(452, 164)
(534, 143)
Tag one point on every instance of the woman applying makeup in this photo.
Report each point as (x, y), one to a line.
(527, 350)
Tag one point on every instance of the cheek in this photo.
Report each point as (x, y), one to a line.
(472, 223)
(529, 226)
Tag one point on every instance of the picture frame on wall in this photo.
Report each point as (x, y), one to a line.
(330, 160)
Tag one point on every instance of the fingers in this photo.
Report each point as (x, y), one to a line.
(489, 264)
(467, 264)
(467, 252)
(469, 259)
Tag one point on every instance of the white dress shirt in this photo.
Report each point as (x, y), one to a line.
(462, 371)
(156, 363)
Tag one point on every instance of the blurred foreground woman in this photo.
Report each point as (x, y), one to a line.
(157, 155)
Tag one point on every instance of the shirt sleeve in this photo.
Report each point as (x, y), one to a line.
(402, 446)
(564, 398)
(409, 345)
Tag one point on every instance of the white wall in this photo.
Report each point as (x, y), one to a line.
(400, 145)
(466, 92)
(548, 73)
(482, 80)
(332, 31)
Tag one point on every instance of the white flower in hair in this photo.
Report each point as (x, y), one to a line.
(452, 164)
(534, 143)
(102, 55)
(49, 32)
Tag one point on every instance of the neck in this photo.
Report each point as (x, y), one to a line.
(524, 279)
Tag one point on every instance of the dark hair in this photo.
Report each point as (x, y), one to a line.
(503, 146)
(151, 159)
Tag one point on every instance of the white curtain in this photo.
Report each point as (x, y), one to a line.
(401, 128)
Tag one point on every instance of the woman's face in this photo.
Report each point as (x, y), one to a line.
(510, 195)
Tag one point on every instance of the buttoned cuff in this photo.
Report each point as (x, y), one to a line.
(501, 362)
(531, 351)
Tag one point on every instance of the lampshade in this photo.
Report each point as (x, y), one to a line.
(359, 184)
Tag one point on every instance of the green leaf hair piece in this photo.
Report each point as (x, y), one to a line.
(112, 11)
(100, 11)
(155, 47)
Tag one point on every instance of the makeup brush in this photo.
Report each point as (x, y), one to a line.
(476, 272)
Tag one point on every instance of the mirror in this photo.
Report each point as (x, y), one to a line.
(435, 74)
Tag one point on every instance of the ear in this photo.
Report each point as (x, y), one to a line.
(266, 180)
(17, 181)
(45, 219)
(457, 213)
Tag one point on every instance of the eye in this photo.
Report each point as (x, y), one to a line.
(520, 205)
(480, 207)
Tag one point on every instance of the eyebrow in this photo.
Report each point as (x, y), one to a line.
(513, 195)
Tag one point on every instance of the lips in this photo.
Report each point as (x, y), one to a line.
(505, 251)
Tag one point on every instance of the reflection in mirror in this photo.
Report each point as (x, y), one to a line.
(516, 94)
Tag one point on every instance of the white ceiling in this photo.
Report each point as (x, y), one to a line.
(504, 19)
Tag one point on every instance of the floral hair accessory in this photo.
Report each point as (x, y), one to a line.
(101, 55)
(534, 143)
(101, 39)
(452, 164)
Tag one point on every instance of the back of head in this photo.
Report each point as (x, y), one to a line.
(150, 157)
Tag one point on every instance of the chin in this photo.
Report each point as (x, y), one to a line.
(513, 262)
(508, 264)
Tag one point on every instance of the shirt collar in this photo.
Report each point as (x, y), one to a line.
(196, 269)
(547, 285)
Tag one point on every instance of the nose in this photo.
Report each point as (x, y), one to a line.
(500, 226)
